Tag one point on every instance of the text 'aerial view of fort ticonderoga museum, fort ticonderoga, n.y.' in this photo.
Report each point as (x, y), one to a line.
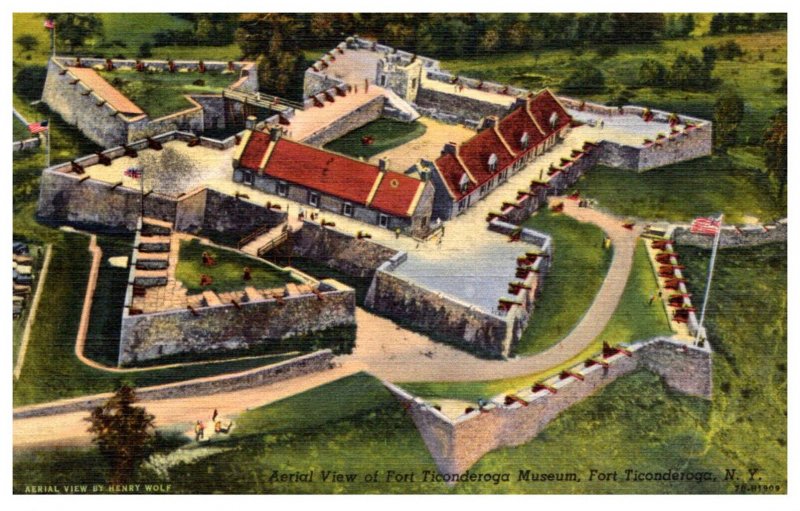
(400, 253)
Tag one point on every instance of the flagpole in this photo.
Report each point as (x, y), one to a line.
(142, 186)
(48, 143)
(708, 281)
(53, 37)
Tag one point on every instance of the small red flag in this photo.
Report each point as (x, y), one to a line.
(38, 127)
(708, 226)
(49, 24)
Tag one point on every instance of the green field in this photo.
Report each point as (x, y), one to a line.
(576, 273)
(227, 272)
(160, 94)
(683, 191)
(388, 134)
(635, 319)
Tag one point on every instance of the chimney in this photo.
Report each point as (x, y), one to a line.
(250, 122)
(275, 133)
(383, 164)
(449, 148)
(488, 122)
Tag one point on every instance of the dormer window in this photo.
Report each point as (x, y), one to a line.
(524, 140)
(492, 162)
(463, 183)
(553, 120)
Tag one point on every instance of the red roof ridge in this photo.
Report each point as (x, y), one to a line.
(461, 161)
(505, 143)
(533, 118)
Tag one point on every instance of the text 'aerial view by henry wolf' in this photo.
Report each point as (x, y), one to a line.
(400, 253)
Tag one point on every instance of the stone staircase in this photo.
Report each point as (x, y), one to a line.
(155, 286)
(407, 112)
(262, 244)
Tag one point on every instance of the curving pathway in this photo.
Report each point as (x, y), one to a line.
(399, 355)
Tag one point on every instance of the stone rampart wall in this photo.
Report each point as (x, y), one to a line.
(355, 119)
(340, 251)
(458, 108)
(71, 198)
(732, 236)
(265, 375)
(228, 327)
(27, 144)
(443, 316)
(82, 108)
(457, 444)
(226, 213)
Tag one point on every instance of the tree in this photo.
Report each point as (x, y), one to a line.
(652, 73)
(729, 50)
(490, 41)
(774, 143)
(728, 113)
(584, 80)
(689, 73)
(74, 29)
(124, 433)
(272, 39)
(145, 50)
(709, 56)
(718, 24)
(27, 42)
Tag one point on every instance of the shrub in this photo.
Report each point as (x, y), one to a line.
(585, 80)
(652, 73)
(730, 50)
(145, 50)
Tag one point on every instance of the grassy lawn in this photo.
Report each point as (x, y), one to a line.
(756, 79)
(19, 130)
(686, 190)
(388, 134)
(227, 273)
(102, 338)
(160, 94)
(578, 268)
(634, 320)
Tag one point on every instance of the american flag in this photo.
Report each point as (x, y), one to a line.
(49, 24)
(133, 172)
(38, 127)
(709, 226)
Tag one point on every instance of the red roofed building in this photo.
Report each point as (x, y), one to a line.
(465, 174)
(332, 182)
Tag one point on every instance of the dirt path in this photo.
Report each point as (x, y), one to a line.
(70, 428)
(399, 355)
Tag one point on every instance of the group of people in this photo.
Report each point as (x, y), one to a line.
(200, 427)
